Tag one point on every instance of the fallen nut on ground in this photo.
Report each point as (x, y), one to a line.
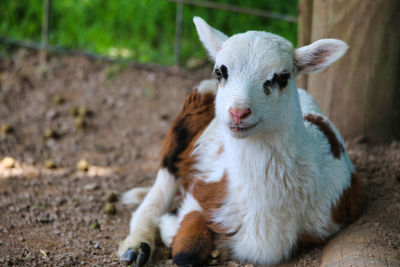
(5, 128)
(109, 209)
(58, 99)
(50, 164)
(95, 225)
(49, 133)
(82, 165)
(83, 111)
(111, 197)
(8, 162)
(74, 111)
(80, 122)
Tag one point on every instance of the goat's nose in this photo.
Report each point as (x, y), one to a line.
(239, 114)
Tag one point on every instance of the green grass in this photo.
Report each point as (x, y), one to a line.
(142, 30)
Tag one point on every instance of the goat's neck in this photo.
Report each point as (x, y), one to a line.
(275, 152)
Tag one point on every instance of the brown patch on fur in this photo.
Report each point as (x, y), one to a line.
(193, 242)
(324, 127)
(178, 157)
(350, 203)
(187, 160)
(211, 197)
(195, 115)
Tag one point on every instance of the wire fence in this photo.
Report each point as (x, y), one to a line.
(46, 27)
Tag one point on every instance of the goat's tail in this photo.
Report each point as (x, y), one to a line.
(135, 195)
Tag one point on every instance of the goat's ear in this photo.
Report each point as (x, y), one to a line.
(211, 38)
(319, 55)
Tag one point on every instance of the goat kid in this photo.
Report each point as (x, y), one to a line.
(261, 168)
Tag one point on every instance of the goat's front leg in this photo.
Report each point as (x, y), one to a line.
(193, 242)
(139, 244)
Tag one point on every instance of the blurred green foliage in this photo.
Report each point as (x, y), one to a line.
(142, 30)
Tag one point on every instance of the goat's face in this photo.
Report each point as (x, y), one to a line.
(256, 74)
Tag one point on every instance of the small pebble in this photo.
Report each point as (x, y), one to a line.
(164, 117)
(169, 262)
(215, 254)
(50, 164)
(5, 129)
(91, 186)
(8, 162)
(82, 165)
(96, 245)
(110, 209)
(111, 197)
(52, 114)
(49, 133)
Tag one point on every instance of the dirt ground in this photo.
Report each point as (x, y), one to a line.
(56, 217)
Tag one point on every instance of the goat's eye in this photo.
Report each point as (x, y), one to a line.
(221, 73)
(218, 74)
(267, 86)
(278, 80)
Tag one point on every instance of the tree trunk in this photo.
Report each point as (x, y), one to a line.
(304, 32)
(360, 92)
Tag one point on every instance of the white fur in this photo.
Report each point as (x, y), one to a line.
(145, 219)
(308, 103)
(282, 177)
(168, 228)
(169, 223)
(211, 38)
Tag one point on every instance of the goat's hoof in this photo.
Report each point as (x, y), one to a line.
(137, 257)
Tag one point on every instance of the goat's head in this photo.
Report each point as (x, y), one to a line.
(256, 74)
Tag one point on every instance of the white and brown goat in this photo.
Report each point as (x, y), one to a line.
(261, 168)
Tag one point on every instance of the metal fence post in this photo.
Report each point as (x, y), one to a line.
(178, 32)
(45, 24)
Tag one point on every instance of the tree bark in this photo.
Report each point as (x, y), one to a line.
(360, 92)
(304, 32)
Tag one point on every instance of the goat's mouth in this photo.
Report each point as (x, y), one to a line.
(237, 128)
